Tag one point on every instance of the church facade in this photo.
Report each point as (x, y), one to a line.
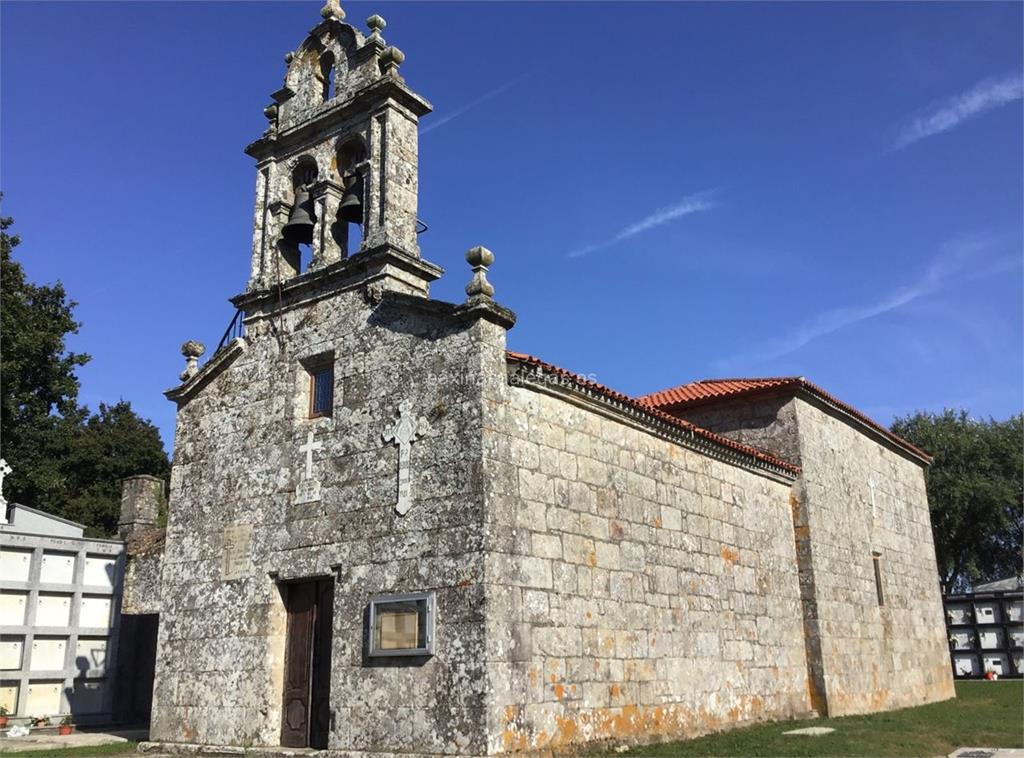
(389, 534)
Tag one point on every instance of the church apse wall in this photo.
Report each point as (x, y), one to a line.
(882, 643)
(860, 503)
(645, 590)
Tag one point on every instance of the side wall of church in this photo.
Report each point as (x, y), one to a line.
(637, 590)
(865, 656)
(874, 656)
(236, 534)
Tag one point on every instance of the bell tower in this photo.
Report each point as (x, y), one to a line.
(336, 186)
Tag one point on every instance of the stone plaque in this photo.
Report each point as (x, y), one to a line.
(236, 561)
(307, 491)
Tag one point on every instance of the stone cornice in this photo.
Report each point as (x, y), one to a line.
(348, 273)
(535, 375)
(217, 363)
(360, 103)
(487, 310)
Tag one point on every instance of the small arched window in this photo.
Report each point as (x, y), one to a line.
(327, 75)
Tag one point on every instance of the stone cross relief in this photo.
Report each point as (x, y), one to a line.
(5, 469)
(874, 509)
(308, 490)
(404, 433)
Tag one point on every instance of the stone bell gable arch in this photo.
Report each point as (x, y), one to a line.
(345, 105)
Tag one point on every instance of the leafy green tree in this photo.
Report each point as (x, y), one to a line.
(975, 493)
(65, 459)
(39, 409)
(112, 444)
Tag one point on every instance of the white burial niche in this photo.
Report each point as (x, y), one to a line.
(402, 625)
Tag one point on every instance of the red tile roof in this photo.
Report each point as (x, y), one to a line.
(653, 412)
(709, 391)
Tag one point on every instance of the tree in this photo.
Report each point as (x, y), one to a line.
(975, 493)
(37, 376)
(65, 460)
(112, 444)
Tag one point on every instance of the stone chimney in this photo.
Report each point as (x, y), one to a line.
(141, 496)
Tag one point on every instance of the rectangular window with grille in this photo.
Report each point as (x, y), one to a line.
(321, 391)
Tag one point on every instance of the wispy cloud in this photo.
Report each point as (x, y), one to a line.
(957, 261)
(701, 201)
(983, 96)
(437, 123)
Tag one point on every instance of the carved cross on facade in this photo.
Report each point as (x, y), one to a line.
(308, 488)
(308, 449)
(871, 485)
(404, 433)
(5, 469)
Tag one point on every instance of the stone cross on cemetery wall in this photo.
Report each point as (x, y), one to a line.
(308, 490)
(404, 433)
(5, 469)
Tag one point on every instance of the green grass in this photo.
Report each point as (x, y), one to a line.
(984, 714)
(117, 748)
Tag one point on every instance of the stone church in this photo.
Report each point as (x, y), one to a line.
(389, 534)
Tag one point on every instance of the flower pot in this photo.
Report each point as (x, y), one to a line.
(3, 721)
(65, 729)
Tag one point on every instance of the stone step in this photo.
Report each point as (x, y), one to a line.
(226, 751)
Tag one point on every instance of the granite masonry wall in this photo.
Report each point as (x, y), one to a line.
(875, 656)
(237, 464)
(142, 573)
(640, 590)
(858, 495)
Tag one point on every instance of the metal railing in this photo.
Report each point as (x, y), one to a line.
(235, 330)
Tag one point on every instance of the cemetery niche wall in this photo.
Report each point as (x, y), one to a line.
(388, 534)
(986, 631)
(59, 618)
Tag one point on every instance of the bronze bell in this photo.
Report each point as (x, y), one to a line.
(350, 209)
(299, 228)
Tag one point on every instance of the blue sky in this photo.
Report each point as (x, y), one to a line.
(673, 191)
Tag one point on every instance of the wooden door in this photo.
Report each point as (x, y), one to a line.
(306, 713)
(300, 601)
(320, 706)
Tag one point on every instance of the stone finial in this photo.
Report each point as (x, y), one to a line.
(271, 112)
(332, 9)
(191, 350)
(479, 259)
(376, 25)
(391, 59)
